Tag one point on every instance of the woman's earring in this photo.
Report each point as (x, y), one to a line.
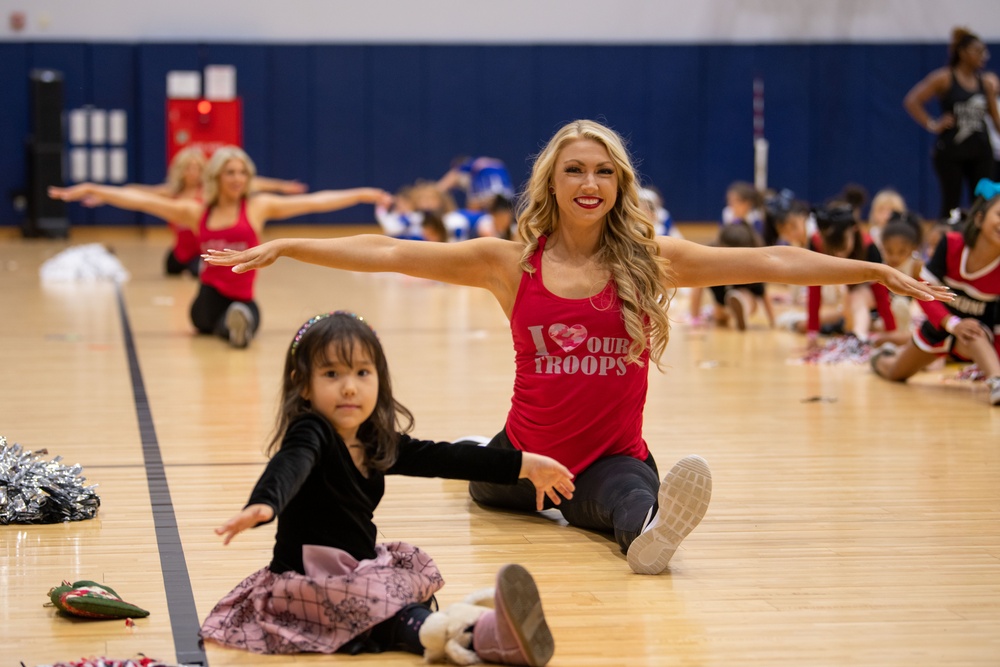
(552, 190)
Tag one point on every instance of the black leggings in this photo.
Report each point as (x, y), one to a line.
(612, 496)
(951, 172)
(175, 267)
(208, 312)
(399, 633)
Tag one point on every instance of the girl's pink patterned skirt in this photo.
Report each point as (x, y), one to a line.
(336, 600)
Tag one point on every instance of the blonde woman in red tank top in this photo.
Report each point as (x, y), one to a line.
(229, 215)
(586, 286)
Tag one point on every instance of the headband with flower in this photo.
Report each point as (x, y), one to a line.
(322, 316)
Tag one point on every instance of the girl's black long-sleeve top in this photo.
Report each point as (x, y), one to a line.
(320, 497)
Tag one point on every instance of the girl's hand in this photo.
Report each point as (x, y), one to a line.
(242, 261)
(251, 516)
(968, 330)
(378, 197)
(550, 478)
(900, 283)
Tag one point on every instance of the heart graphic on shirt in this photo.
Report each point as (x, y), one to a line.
(568, 338)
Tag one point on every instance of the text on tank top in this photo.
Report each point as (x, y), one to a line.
(969, 109)
(575, 399)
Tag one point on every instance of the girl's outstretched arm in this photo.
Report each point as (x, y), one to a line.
(550, 478)
(251, 516)
(696, 265)
(185, 212)
(276, 207)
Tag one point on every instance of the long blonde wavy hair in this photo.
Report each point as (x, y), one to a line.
(179, 165)
(627, 247)
(222, 155)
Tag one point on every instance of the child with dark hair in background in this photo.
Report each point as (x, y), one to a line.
(498, 220)
(737, 303)
(855, 196)
(743, 203)
(840, 235)
(967, 328)
(902, 237)
(329, 587)
(433, 228)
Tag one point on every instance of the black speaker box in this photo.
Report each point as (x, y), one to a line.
(47, 106)
(44, 157)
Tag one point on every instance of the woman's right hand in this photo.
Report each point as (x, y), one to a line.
(72, 193)
(251, 516)
(941, 124)
(258, 257)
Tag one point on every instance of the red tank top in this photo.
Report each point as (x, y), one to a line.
(240, 236)
(186, 246)
(575, 397)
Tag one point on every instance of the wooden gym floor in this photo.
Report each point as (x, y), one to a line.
(854, 522)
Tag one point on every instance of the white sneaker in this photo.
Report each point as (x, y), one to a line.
(683, 501)
(994, 384)
(480, 440)
(239, 322)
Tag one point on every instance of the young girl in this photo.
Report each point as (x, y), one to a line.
(840, 235)
(329, 587)
(586, 287)
(901, 242)
(743, 203)
(967, 328)
(737, 303)
(884, 204)
(230, 216)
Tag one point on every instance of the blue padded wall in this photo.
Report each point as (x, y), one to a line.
(338, 116)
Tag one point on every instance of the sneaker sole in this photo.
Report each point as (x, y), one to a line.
(735, 306)
(517, 593)
(239, 327)
(683, 502)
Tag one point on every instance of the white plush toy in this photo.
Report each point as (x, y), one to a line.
(447, 634)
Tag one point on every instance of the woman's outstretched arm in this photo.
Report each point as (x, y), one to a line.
(186, 212)
(696, 265)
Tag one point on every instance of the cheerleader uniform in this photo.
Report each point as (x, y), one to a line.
(977, 296)
(220, 286)
(883, 303)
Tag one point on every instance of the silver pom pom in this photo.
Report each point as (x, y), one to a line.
(33, 490)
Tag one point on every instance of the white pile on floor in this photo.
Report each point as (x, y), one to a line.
(83, 264)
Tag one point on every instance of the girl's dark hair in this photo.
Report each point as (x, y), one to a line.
(961, 38)
(777, 206)
(737, 235)
(855, 195)
(836, 223)
(974, 221)
(435, 224)
(904, 225)
(747, 192)
(337, 334)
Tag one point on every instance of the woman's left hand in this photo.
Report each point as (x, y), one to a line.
(900, 283)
